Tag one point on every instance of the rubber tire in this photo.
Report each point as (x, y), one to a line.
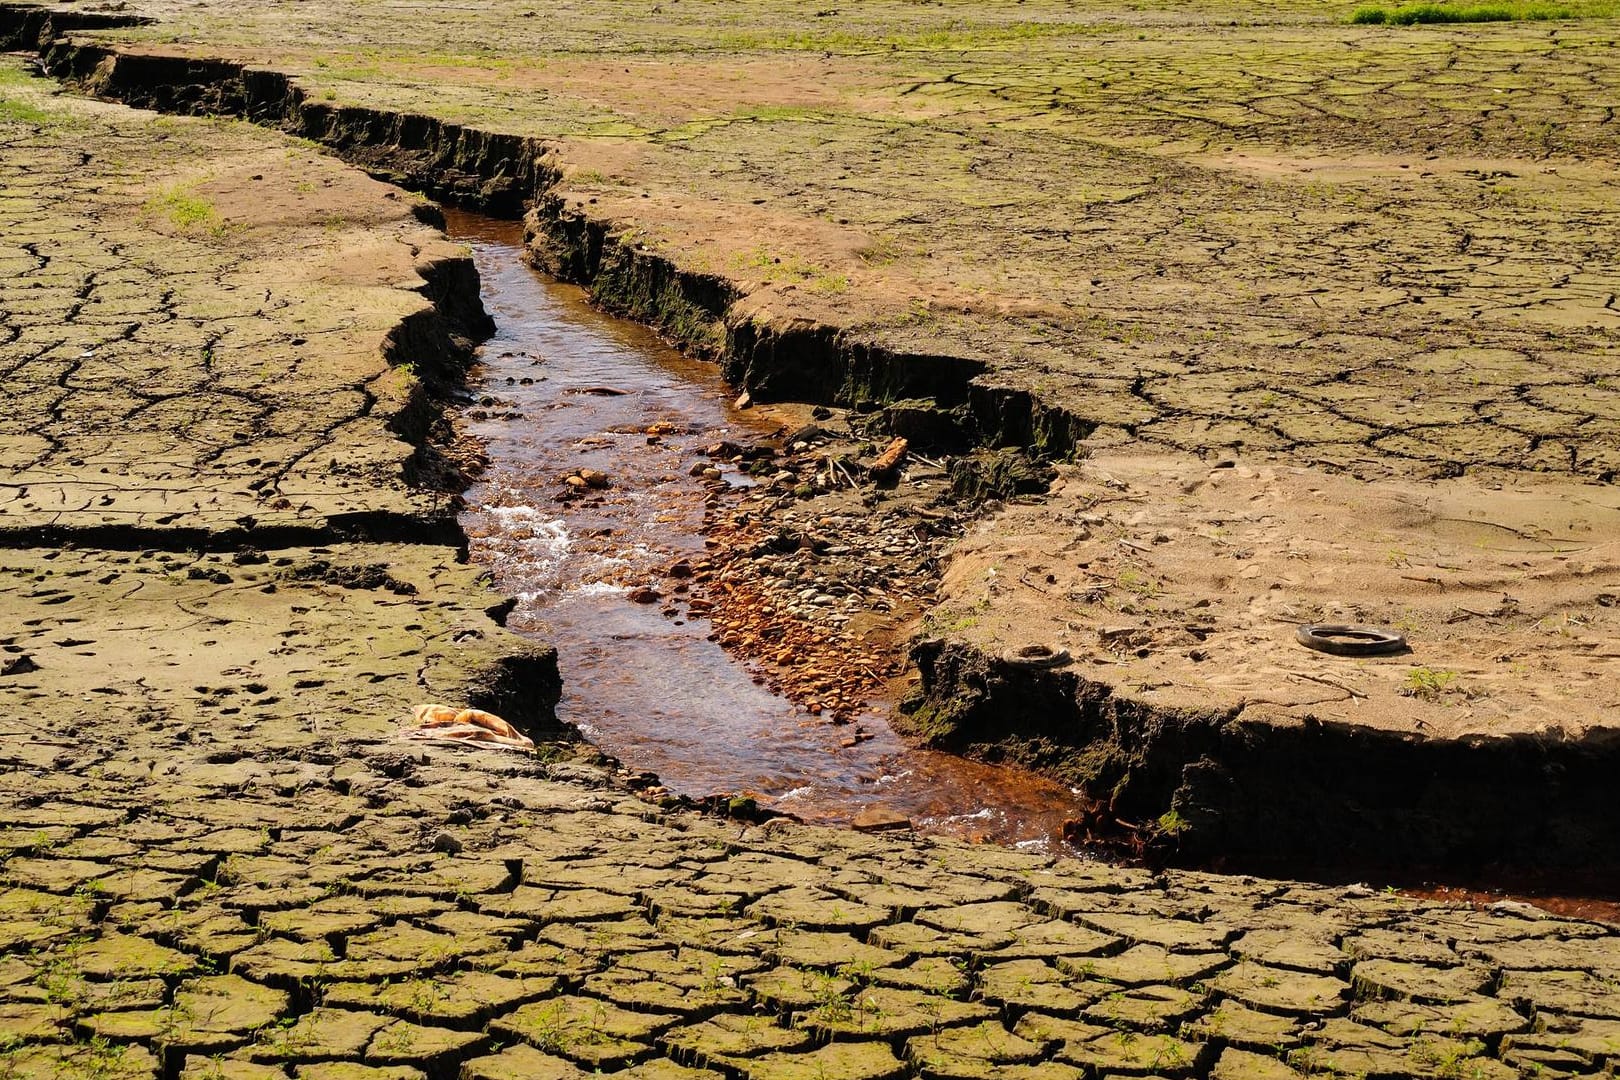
(1051, 659)
(1330, 638)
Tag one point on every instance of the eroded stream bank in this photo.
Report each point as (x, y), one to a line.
(561, 387)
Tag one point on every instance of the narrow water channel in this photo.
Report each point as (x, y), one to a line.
(562, 387)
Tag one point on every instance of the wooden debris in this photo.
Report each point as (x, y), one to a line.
(889, 460)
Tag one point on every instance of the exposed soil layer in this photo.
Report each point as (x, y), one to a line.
(218, 859)
(1174, 590)
(1305, 314)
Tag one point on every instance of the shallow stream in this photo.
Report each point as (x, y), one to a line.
(562, 387)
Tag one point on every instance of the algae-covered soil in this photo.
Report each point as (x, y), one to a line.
(1200, 225)
(1382, 252)
(218, 858)
(232, 567)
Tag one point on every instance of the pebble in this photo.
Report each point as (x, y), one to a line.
(764, 604)
(878, 819)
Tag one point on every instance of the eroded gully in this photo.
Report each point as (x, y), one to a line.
(561, 387)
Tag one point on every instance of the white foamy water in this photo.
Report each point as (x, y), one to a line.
(544, 542)
(599, 588)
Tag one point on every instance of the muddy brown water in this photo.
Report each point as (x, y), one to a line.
(653, 691)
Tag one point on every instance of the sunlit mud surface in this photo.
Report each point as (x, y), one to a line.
(562, 387)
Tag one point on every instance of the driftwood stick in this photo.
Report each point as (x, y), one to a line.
(890, 459)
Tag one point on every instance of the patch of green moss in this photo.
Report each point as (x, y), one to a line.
(934, 723)
(184, 209)
(20, 112)
(648, 291)
(1425, 14)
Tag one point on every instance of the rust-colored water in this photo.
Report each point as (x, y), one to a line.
(653, 691)
(1572, 907)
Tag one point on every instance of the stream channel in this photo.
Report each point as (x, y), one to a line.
(652, 691)
(561, 387)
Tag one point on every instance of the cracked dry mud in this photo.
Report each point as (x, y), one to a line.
(219, 864)
(1184, 583)
(1206, 227)
(300, 913)
(1174, 589)
(192, 315)
(198, 358)
(202, 882)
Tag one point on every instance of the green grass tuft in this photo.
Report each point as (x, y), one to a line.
(13, 109)
(1426, 14)
(20, 112)
(186, 210)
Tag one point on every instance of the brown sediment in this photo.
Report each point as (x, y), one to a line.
(220, 860)
(824, 673)
(1143, 761)
(568, 396)
(1604, 908)
(835, 669)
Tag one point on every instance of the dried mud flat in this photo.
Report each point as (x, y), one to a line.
(212, 338)
(1173, 589)
(1506, 593)
(328, 908)
(1383, 252)
(221, 862)
(1205, 227)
